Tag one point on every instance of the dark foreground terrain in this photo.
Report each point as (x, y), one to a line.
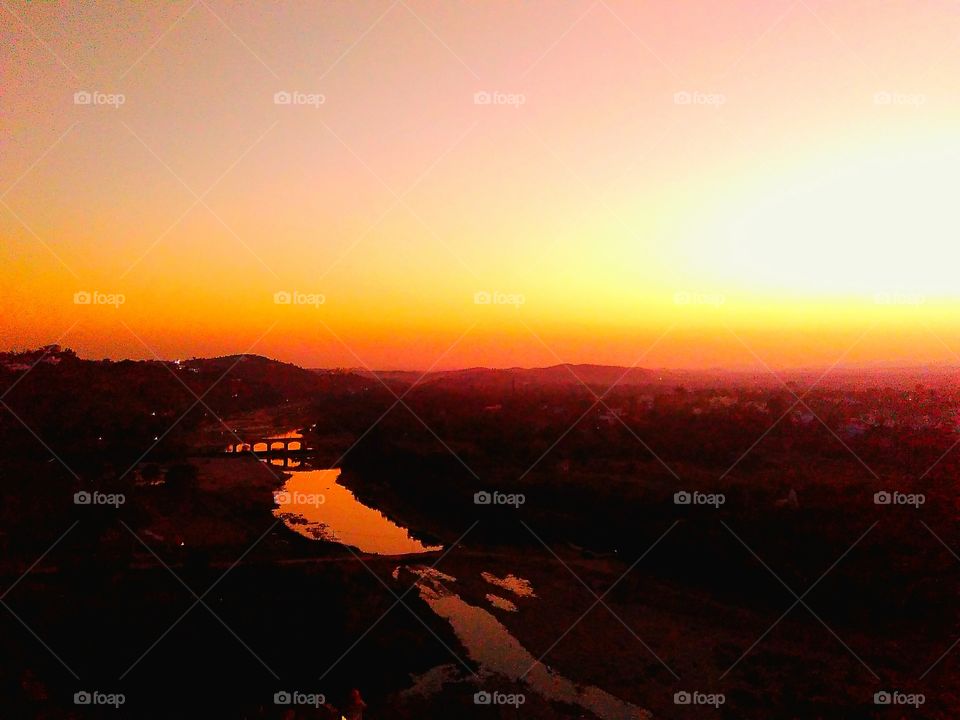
(788, 585)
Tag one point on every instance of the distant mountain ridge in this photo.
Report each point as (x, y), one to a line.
(268, 377)
(604, 376)
(481, 377)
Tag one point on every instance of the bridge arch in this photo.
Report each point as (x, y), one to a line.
(269, 445)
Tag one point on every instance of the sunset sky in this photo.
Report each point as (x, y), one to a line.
(674, 184)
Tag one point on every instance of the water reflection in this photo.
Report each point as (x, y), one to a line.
(286, 462)
(501, 603)
(520, 587)
(491, 645)
(315, 505)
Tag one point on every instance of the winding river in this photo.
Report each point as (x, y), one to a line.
(314, 504)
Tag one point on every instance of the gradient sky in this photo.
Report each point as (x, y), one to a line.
(680, 184)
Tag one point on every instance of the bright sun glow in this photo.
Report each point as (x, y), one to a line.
(886, 223)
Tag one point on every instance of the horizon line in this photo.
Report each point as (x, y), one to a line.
(759, 367)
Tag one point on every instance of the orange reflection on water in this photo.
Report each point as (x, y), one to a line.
(333, 513)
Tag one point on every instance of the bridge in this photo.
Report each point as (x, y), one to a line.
(269, 446)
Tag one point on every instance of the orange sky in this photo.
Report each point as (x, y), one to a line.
(675, 184)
